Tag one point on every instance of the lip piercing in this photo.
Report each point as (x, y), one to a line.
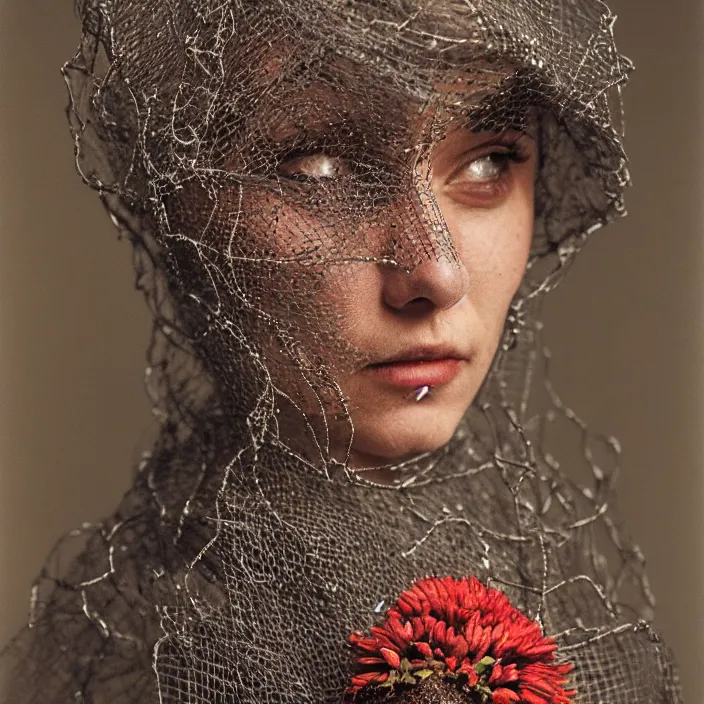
(422, 392)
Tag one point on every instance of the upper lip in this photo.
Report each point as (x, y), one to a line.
(425, 353)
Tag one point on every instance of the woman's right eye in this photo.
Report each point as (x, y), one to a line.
(314, 167)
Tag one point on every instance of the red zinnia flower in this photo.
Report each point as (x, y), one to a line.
(464, 632)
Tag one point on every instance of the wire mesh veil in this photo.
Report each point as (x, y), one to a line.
(247, 550)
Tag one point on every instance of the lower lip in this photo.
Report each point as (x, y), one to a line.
(434, 372)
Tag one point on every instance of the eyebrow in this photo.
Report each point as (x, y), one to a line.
(331, 126)
(322, 132)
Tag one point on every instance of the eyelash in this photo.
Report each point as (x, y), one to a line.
(309, 178)
(513, 151)
(509, 151)
(310, 150)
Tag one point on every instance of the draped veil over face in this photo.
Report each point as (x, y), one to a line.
(271, 162)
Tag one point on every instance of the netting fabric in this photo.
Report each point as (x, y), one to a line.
(267, 159)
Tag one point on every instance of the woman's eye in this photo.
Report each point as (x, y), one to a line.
(487, 168)
(314, 167)
(486, 179)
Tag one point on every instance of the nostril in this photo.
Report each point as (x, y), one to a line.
(418, 306)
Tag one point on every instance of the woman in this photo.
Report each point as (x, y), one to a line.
(345, 215)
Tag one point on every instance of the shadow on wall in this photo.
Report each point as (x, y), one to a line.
(625, 328)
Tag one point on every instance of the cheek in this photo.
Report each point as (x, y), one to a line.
(505, 248)
(494, 245)
(316, 300)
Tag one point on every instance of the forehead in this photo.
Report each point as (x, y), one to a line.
(411, 45)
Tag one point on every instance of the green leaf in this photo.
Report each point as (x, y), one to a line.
(392, 680)
(486, 663)
(423, 674)
(405, 665)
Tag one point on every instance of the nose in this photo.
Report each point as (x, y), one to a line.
(425, 271)
(435, 283)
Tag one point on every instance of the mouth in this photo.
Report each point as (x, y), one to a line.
(421, 367)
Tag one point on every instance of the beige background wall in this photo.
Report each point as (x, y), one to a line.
(627, 327)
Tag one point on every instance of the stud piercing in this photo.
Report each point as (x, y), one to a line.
(422, 392)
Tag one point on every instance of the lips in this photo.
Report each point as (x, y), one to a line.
(431, 365)
(415, 373)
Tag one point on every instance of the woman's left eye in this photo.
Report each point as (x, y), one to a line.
(484, 179)
(490, 167)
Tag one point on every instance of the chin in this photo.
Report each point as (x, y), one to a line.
(396, 437)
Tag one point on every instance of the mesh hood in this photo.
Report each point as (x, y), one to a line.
(242, 559)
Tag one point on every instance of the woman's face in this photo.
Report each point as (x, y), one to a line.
(395, 240)
(427, 315)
